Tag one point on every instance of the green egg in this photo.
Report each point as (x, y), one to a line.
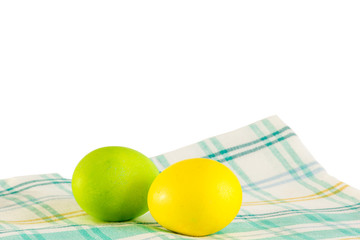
(112, 183)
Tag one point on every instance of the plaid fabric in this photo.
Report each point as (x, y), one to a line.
(286, 195)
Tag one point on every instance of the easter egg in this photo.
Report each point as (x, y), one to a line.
(112, 183)
(195, 197)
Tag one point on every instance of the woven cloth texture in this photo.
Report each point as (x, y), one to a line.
(287, 194)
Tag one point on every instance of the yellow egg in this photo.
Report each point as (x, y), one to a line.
(195, 197)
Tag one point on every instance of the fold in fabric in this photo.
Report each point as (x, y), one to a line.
(287, 194)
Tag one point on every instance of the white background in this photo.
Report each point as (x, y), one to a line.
(158, 75)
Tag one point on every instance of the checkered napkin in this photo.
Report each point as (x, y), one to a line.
(286, 195)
